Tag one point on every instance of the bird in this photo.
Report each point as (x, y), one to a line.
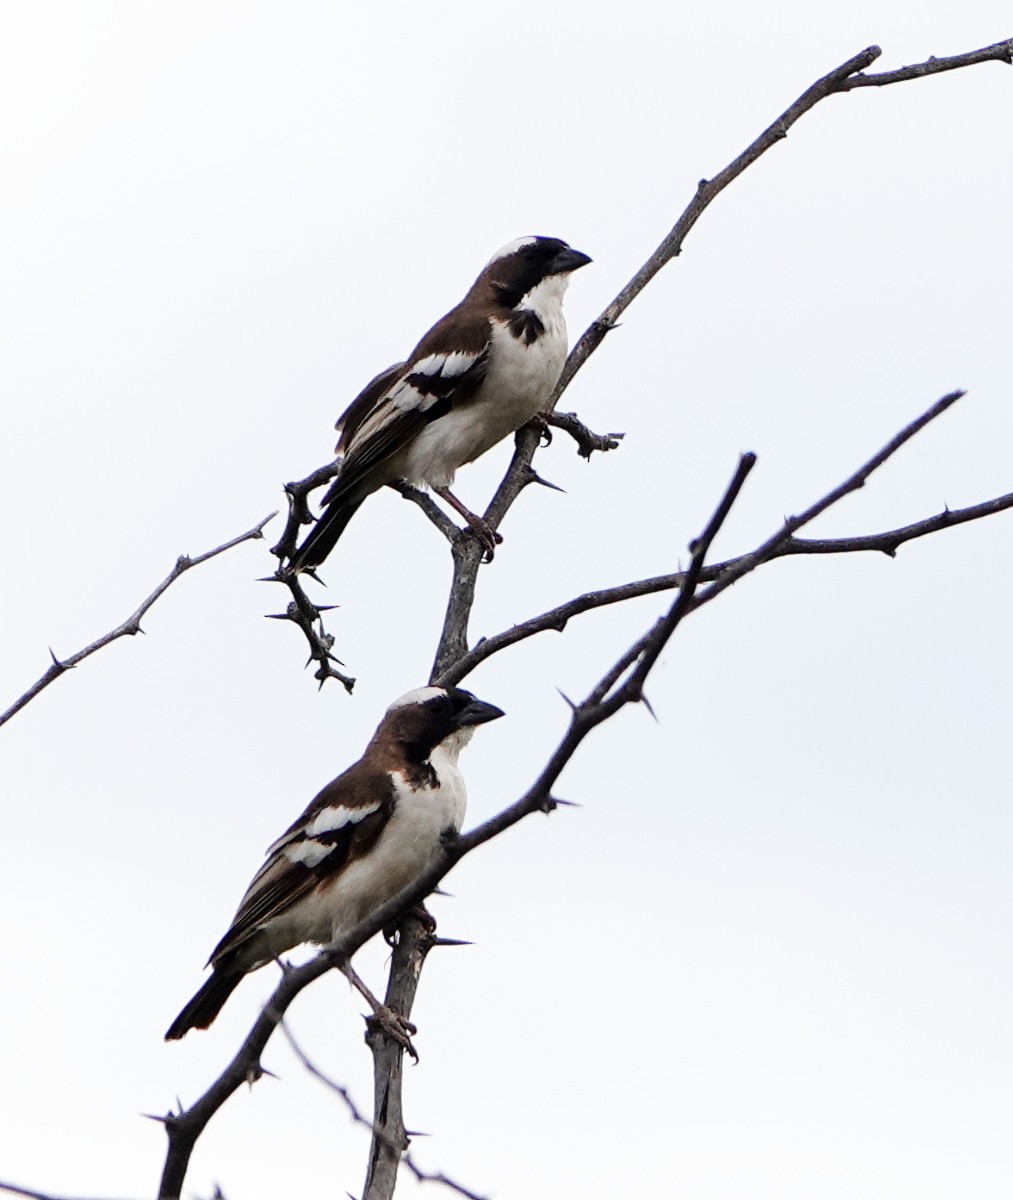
(482, 371)
(363, 838)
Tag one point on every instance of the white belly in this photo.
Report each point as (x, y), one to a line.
(518, 384)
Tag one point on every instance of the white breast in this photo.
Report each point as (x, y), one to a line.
(410, 842)
(519, 381)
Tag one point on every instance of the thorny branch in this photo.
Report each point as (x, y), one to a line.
(185, 1127)
(309, 616)
(397, 1150)
(623, 683)
(454, 640)
(132, 625)
(467, 556)
(620, 685)
(29, 1193)
(556, 619)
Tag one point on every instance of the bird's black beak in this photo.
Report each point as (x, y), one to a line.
(477, 712)
(568, 260)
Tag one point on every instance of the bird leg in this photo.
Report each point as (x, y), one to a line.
(393, 1024)
(481, 528)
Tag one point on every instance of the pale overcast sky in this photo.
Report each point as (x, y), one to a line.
(770, 955)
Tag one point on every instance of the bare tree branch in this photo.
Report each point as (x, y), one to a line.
(587, 442)
(30, 1193)
(556, 619)
(466, 553)
(185, 1127)
(132, 625)
(399, 1152)
(414, 940)
(622, 684)
(999, 52)
(761, 554)
(454, 640)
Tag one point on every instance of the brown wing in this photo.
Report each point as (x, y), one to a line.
(364, 403)
(341, 824)
(426, 390)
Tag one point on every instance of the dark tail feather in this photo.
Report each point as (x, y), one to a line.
(324, 535)
(205, 1006)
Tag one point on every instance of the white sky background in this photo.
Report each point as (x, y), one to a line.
(770, 955)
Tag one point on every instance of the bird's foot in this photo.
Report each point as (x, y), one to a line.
(542, 421)
(487, 536)
(399, 1029)
(384, 1019)
(477, 525)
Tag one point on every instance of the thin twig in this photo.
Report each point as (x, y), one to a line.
(856, 480)
(404, 1157)
(998, 52)
(132, 625)
(587, 441)
(30, 1193)
(556, 619)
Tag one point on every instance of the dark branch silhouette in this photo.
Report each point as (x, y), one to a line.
(132, 625)
(623, 683)
(185, 1127)
(619, 685)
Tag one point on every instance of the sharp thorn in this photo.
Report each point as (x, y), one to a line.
(442, 941)
(565, 803)
(573, 707)
(438, 891)
(277, 616)
(647, 704)
(534, 477)
(154, 1117)
(416, 1133)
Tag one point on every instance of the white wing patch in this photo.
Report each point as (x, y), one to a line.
(330, 820)
(446, 365)
(308, 852)
(406, 397)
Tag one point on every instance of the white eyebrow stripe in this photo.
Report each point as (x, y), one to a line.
(335, 817)
(511, 248)
(416, 696)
